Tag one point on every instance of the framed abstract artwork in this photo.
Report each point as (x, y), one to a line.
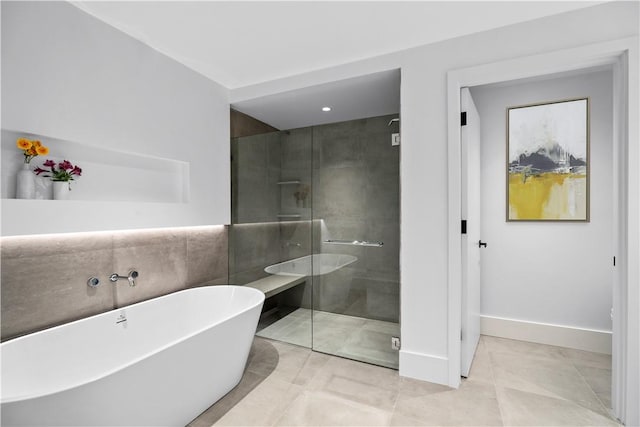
(548, 161)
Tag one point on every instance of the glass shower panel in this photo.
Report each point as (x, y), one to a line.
(356, 212)
(270, 239)
(316, 214)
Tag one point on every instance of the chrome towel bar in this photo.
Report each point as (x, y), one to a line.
(355, 243)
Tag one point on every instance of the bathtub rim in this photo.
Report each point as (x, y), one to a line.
(20, 398)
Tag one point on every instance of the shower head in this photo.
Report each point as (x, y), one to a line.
(393, 120)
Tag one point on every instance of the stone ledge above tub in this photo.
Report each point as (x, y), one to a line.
(272, 285)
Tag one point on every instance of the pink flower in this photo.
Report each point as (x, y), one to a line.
(63, 171)
(66, 165)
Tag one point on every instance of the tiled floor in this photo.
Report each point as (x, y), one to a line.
(511, 383)
(347, 336)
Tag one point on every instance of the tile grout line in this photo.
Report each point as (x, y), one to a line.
(304, 389)
(606, 410)
(395, 401)
(493, 381)
(570, 362)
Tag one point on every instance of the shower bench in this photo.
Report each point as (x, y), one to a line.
(274, 284)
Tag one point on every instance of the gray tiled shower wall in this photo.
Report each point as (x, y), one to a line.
(356, 193)
(259, 237)
(349, 189)
(44, 278)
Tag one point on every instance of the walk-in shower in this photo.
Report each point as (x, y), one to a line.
(316, 215)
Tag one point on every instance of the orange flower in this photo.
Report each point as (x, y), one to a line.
(24, 143)
(31, 148)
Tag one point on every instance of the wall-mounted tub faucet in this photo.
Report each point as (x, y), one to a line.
(131, 277)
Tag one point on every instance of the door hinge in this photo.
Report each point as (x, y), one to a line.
(461, 337)
(614, 261)
(463, 118)
(463, 226)
(395, 343)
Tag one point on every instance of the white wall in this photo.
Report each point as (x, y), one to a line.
(554, 272)
(69, 76)
(128, 94)
(423, 253)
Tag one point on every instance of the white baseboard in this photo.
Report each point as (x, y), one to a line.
(544, 333)
(424, 367)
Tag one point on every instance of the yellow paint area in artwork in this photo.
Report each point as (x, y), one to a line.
(547, 196)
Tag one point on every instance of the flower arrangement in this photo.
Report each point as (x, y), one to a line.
(31, 148)
(63, 171)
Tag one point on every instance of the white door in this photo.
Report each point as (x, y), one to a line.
(470, 150)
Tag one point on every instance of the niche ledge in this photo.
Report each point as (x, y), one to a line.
(108, 175)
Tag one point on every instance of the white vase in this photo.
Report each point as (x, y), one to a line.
(25, 183)
(44, 188)
(61, 190)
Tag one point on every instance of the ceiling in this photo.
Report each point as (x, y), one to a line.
(371, 95)
(240, 43)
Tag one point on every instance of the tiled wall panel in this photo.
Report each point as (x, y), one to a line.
(44, 278)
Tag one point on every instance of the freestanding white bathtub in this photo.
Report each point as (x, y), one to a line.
(160, 362)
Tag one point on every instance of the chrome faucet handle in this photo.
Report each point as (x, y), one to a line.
(115, 276)
(133, 274)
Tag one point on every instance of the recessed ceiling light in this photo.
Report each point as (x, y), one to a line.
(325, 109)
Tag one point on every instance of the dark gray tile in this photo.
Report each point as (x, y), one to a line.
(341, 192)
(296, 149)
(341, 151)
(252, 151)
(386, 258)
(295, 239)
(254, 195)
(254, 246)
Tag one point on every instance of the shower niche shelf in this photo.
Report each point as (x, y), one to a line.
(288, 216)
(292, 182)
